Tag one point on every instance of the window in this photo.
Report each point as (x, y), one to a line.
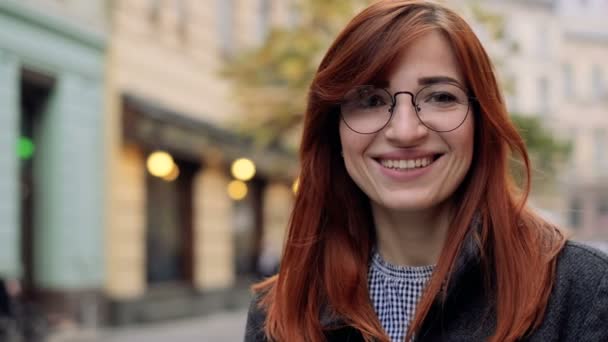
(154, 10)
(542, 43)
(157, 10)
(225, 25)
(575, 212)
(597, 86)
(568, 80)
(264, 14)
(181, 7)
(599, 150)
(543, 95)
(293, 14)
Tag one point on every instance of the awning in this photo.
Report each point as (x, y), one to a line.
(155, 127)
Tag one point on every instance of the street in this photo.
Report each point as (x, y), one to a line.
(223, 327)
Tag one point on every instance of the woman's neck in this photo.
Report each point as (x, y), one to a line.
(411, 238)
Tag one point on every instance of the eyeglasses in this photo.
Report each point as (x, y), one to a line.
(442, 107)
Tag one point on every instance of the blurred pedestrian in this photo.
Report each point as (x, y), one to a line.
(10, 290)
(5, 300)
(408, 223)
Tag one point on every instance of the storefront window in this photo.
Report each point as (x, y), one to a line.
(169, 226)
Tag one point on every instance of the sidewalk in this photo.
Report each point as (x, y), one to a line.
(222, 327)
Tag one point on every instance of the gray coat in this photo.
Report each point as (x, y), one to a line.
(577, 308)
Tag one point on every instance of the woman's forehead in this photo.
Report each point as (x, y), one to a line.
(429, 59)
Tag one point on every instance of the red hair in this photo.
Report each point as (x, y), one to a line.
(330, 235)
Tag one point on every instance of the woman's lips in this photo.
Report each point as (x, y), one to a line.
(407, 169)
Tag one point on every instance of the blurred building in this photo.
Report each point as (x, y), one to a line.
(553, 55)
(51, 153)
(89, 90)
(180, 246)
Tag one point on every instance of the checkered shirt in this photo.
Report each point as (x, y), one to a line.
(394, 292)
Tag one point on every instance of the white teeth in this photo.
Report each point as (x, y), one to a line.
(406, 164)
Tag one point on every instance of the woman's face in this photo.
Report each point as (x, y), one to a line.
(390, 166)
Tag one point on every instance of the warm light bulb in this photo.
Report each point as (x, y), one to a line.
(237, 190)
(243, 169)
(160, 164)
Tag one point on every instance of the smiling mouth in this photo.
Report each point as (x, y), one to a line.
(408, 164)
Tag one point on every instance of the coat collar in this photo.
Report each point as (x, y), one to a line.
(467, 263)
(468, 260)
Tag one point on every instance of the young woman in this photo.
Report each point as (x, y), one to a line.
(407, 223)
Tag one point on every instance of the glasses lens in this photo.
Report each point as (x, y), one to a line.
(366, 109)
(442, 107)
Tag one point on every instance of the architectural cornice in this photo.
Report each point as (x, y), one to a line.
(55, 24)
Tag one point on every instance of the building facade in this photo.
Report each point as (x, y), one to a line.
(184, 245)
(553, 58)
(90, 91)
(583, 94)
(51, 148)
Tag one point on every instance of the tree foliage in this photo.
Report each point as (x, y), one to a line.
(272, 80)
(546, 151)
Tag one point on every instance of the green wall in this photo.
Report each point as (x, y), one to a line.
(9, 166)
(68, 169)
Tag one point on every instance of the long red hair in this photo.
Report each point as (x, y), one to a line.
(330, 235)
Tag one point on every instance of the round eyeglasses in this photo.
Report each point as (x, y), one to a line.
(442, 107)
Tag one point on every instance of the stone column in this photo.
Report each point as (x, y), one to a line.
(68, 171)
(126, 231)
(10, 265)
(214, 255)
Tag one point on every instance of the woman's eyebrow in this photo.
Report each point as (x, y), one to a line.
(436, 79)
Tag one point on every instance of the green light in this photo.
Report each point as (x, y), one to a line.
(25, 148)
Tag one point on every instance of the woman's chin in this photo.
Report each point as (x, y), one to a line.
(408, 204)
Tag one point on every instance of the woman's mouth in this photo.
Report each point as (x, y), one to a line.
(408, 164)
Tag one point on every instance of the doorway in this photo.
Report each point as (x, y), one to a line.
(35, 90)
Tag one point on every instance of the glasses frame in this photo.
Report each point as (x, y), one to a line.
(413, 102)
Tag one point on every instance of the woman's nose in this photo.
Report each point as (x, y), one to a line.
(405, 127)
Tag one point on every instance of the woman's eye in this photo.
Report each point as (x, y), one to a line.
(442, 97)
(374, 101)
